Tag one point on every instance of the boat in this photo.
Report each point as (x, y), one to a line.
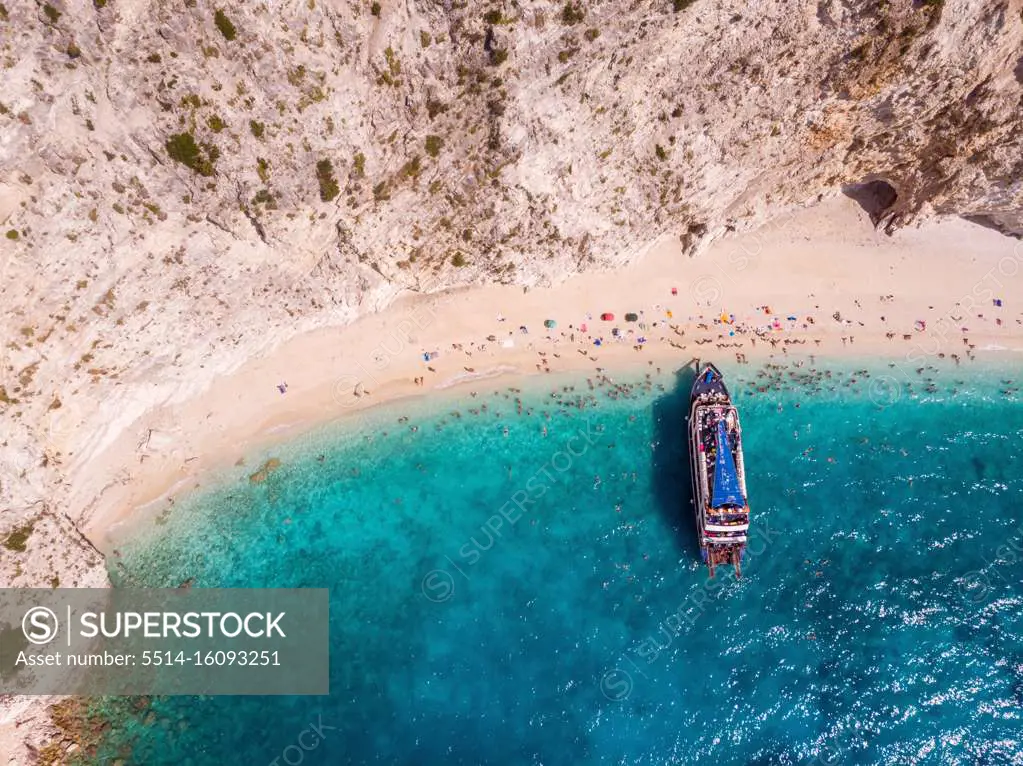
(718, 471)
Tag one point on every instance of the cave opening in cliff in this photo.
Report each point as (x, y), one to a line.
(875, 197)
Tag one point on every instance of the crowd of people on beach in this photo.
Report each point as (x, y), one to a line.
(594, 334)
(659, 331)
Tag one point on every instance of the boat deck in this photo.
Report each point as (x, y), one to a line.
(713, 425)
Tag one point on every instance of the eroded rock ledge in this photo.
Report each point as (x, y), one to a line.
(182, 189)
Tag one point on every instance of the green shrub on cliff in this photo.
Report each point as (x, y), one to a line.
(182, 148)
(329, 188)
(17, 540)
(227, 29)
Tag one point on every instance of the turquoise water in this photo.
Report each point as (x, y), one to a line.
(879, 619)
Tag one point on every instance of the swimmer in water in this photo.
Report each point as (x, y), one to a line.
(596, 481)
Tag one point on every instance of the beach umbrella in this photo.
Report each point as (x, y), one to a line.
(550, 324)
(630, 317)
(582, 327)
(607, 317)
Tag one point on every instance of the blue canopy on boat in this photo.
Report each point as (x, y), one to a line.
(726, 478)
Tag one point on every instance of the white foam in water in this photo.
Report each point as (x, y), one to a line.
(586, 632)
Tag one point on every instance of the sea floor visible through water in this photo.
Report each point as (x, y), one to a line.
(879, 618)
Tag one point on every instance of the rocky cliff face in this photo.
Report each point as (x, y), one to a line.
(182, 183)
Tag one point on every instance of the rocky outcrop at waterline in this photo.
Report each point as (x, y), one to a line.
(183, 185)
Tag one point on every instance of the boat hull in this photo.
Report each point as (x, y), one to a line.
(718, 472)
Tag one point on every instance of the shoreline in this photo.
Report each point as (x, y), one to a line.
(820, 263)
(269, 444)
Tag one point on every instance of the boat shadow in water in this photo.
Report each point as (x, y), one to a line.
(672, 478)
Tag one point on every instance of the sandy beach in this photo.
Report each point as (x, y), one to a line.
(233, 233)
(821, 281)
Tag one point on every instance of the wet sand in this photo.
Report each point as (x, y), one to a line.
(822, 282)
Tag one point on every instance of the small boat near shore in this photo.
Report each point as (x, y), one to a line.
(718, 471)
